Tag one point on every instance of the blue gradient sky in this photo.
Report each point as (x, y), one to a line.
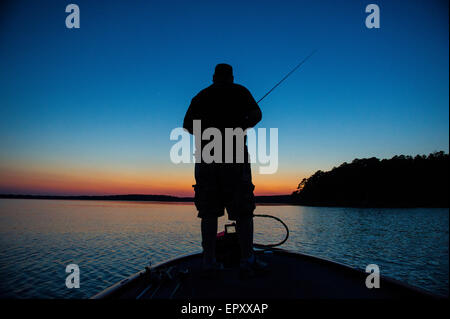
(95, 106)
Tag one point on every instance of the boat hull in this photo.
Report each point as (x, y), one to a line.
(291, 276)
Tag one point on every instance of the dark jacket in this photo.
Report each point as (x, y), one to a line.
(223, 105)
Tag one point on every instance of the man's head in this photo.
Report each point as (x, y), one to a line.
(223, 73)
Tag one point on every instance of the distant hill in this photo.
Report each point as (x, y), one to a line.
(275, 199)
(402, 181)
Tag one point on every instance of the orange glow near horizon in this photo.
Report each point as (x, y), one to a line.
(176, 181)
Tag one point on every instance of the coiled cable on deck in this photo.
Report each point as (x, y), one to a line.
(277, 244)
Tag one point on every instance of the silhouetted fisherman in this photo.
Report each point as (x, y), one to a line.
(225, 185)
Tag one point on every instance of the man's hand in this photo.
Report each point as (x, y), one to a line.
(253, 118)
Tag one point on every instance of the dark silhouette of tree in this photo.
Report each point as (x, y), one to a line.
(402, 181)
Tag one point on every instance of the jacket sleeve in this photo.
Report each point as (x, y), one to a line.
(253, 113)
(191, 115)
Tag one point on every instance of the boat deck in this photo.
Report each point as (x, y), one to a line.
(291, 276)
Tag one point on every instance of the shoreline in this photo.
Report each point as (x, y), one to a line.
(264, 200)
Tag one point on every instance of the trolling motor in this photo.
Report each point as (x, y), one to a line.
(228, 251)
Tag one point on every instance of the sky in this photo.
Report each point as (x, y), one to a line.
(90, 110)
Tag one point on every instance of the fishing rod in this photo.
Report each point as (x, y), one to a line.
(287, 75)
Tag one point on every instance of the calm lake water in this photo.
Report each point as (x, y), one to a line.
(112, 240)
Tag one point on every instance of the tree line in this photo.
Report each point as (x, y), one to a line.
(402, 181)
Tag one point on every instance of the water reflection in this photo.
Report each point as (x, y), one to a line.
(111, 240)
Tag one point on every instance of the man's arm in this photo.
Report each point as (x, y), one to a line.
(253, 113)
(190, 116)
